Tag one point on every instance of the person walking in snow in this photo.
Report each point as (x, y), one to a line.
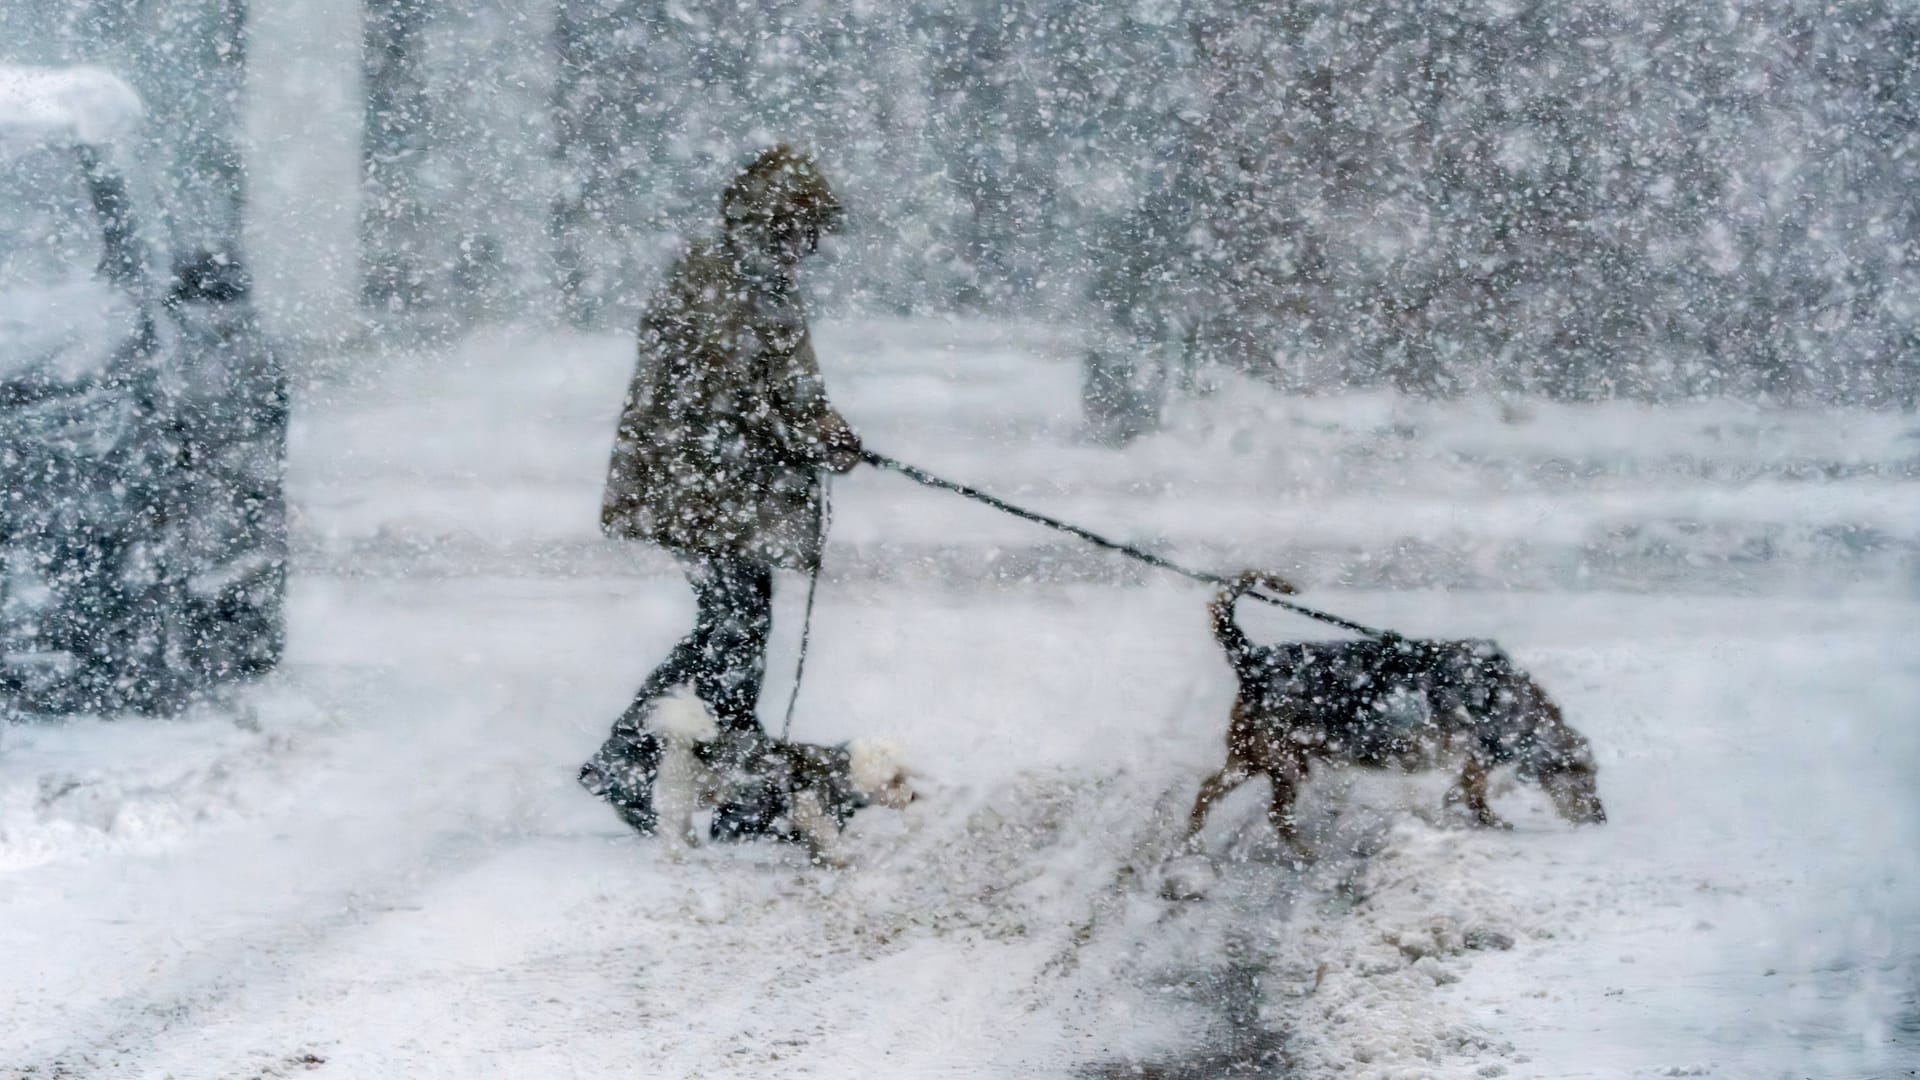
(719, 453)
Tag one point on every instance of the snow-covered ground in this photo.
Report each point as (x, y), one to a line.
(376, 863)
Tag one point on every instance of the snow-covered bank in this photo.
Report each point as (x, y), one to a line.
(394, 874)
(444, 462)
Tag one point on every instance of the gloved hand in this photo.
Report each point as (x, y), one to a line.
(843, 449)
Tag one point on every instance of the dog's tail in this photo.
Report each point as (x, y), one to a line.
(1226, 630)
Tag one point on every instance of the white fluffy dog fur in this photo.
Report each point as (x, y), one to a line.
(686, 784)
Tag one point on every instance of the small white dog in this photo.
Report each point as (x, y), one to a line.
(801, 791)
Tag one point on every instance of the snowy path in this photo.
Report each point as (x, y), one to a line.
(428, 892)
(394, 876)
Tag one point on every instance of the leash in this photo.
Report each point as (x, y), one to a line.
(806, 619)
(921, 476)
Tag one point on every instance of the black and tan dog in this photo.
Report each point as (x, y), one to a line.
(760, 786)
(1408, 703)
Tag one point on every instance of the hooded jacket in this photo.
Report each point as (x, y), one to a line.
(726, 425)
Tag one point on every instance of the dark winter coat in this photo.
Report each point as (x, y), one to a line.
(726, 426)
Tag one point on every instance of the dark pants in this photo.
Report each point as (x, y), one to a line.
(724, 659)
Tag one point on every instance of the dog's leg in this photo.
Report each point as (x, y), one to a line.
(1280, 809)
(818, 830)
(1212, 790)
(678, 792)
(1472, 790)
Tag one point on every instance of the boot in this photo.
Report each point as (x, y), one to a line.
(751, 812)
(622, 772)
(756, 803)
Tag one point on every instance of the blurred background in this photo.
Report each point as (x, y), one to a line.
(1580, 200)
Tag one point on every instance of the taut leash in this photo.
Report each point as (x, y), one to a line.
(921, 476)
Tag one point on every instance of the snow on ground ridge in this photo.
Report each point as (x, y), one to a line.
(93, 788)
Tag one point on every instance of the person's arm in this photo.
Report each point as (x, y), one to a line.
(811, 429)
